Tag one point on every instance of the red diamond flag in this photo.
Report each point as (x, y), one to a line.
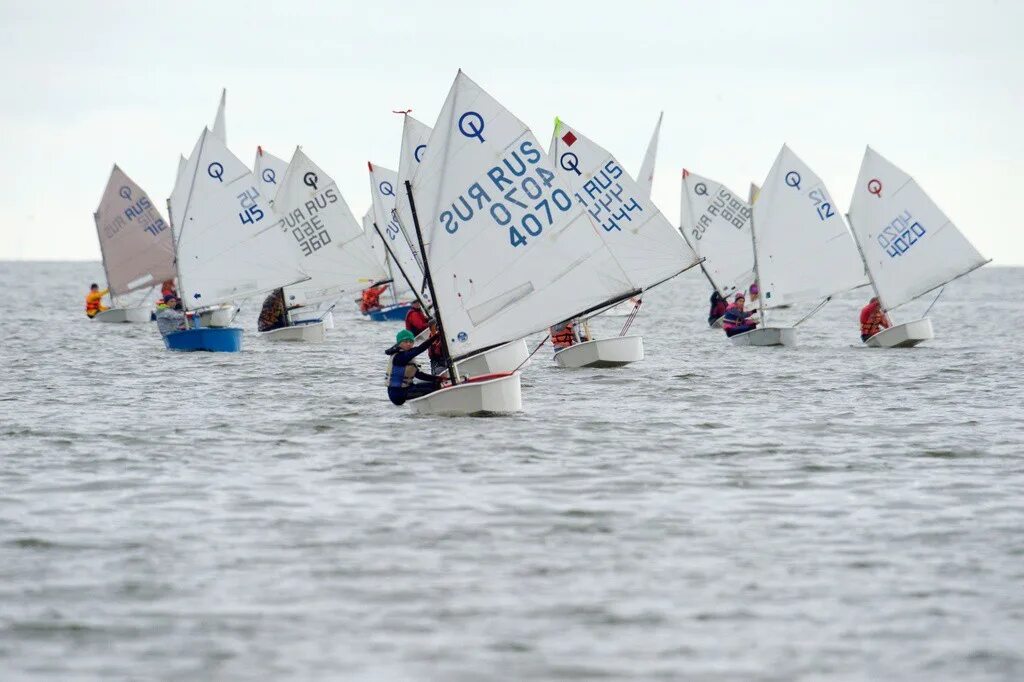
(568, 139)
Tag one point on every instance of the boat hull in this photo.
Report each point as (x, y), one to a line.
(216, 340)
(218, 317)
(506, 358)
(125, 315)
(327, 319)
(766, 336)
(613, 352)
(482, 396)
(394, 313)
(906, 335)
(309, 332)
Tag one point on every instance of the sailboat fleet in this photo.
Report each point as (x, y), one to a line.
(499, 239)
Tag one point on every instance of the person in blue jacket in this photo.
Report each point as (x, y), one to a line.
(403, 372)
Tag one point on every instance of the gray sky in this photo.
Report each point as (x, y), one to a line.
(937, 87)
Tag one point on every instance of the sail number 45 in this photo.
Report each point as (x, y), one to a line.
(897, 237)
(251, 212)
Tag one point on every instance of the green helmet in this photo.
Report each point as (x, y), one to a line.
(405, 335)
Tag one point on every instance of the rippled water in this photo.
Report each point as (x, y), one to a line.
(824, 512)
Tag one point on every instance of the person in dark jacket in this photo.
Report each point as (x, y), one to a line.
(402, 372)
(737, 320)
(718, 307)
(274, 313)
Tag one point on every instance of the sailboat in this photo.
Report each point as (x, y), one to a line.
(802, 248)
(317, 223)
(645, 179)
(403, 268)
(645, 247)
(909, 246)
(214, 316)
(497, 270)
(136, 244)
(716, 224)
(228, 244)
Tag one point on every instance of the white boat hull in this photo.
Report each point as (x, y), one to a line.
(312, 332)
(613, 352)
(127, 315)
(506, 358)
(766, 336)
(906, 335)
(501, 395)
(308, 318)
(218, 317)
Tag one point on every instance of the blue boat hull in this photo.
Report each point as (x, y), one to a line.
(214, 339)
(391, 314)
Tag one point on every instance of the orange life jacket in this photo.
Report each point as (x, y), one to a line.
(563, 338)
(93, 302)
(371, 298)
(872, 320)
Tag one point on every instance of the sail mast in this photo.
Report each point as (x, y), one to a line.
(452, 374)
(400, 268)
(757, 271)
(863, 258)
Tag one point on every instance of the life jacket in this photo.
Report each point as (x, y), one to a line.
(94, 302)
(371, 298)
(416, 321)
(872, 320)
(734, 317)
(564, 337)
(399, 376)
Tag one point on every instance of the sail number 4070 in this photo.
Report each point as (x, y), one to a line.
(897, 237)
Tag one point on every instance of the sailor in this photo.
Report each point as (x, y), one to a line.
(718, 307)
(93, 300)
(755, 294)
(872, 319)
(737, 320)
(371, 298)
(274, 314)
(416, 320)
(402, 372)
(169, 317)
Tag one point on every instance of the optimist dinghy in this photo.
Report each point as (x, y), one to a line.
(137, 247)
(802, 248)
(228, 245)
(497, 270)
(908, 245)
(716, 223)
(328, 243)
(644, 249)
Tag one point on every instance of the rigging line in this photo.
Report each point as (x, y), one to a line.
(531, 354)
(934, 302)
(815, 310)
(632, 316)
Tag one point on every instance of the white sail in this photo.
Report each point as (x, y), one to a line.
(269, 171)
(803, 247)
(415, 136)
(645, 178)
(228, 244)
(380, 254)
(384, 189)
(313, 217)
(137, 247)
(717, 225)
(176, 201)
(509, 253)
(219, 130)
(910, 246)
(646, 246)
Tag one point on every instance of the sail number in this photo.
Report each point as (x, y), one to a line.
(822, 203)
(524, 202)
(726, 206)
(897, 237)
(306, 224)
(606, 196)
(251, 212)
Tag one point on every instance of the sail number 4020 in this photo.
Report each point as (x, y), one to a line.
(897, 237)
